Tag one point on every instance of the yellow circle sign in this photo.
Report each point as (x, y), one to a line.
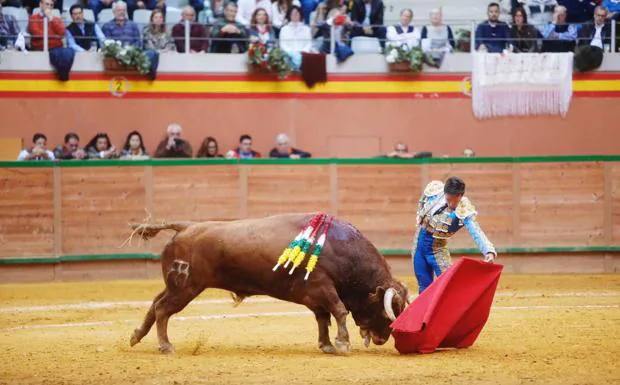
(119, 86)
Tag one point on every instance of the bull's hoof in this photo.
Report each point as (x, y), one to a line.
(135, 337)
(343, 347)
(167, 349)
(327, 348)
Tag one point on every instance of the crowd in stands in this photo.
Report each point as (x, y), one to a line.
(227, 26)
(172, 146)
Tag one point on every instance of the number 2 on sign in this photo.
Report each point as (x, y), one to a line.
(118, 86)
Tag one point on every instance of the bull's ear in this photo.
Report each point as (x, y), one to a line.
(377, 296)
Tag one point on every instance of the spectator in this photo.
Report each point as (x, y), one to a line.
(155, 35)
(468, 153)
(198, 41)
(100, 147)
(404, 33)
(309, 6)
(246, 9)
(260, 29)
(55, 27)
(9, 29)
(492, 35)
(71, 149)
(132, 5)
(613, 10)
(367, 18)
(328, 14)
(98, 5)
(38, 151)
(401, 151)
(524, 36)
(437, 38)
(283, 149)
(134, 147)
(122, 29)
(279, 10)
(295, 37)
(209, 149)
(594, 39)
(244, 151)
(82, 35)
(229, 36)
(172, 146)
(578, 11)
(558, 35)
(541, 11)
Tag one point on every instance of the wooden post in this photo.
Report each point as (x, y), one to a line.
(149, 191)
(608, 219)
(333, 188)
(243, 191)
(516, 204)
(57, 206)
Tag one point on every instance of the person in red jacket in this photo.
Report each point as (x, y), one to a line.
(55, 27)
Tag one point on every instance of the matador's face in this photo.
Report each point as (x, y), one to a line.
(453, 200)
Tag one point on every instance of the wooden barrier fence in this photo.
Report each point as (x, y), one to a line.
(83, 208)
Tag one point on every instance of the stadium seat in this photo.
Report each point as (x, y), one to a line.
(89, 15)
(142, 17)
(173, 15)
(20, 14)
(10, 147)
(66, 4)
(176, 3)
(105, 15)
(363, 44)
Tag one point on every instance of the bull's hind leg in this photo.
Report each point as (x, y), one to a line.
(168, 305)
(322, 318)
(149, 320)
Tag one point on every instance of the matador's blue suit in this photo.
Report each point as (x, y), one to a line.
(436, 223)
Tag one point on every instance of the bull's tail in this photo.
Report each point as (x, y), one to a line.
(147, 231)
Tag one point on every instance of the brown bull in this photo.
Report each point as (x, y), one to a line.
(238, 256)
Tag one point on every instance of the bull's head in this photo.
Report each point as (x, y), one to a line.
(382, 307)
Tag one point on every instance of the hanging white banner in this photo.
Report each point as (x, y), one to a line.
(522, 84)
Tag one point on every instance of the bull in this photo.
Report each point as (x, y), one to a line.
(238, 256)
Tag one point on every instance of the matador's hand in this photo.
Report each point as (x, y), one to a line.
(490, 257)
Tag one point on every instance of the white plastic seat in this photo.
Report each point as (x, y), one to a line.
(365, 44)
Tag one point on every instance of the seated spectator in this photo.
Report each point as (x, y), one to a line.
(122, 29)
(541, 11)
(594, 40)
(613, 9)
(283, 149)
(295, 37)
(558, 35)
(279, 10)
(524, 36)
(132, 5)
(260, 28)
(328, 14)
(228, 35)
(83, 35)
(367, 19)
(208, 10)
(134, 147)
(71, 149)
(155, 35)
(198, 41)
(9, 29)
(404, 33)
(209, 149)
(172, 146)
(401, 150)
(578, 11)
(55, 27)
(246, 9)
(492, 35)
(38, 151)
(100, 147)
(244, 151)
(468, 153)
(437, 38)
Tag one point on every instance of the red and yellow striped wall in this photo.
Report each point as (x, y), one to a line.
(98, 85)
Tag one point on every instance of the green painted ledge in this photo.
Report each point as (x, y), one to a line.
(388, 252)
(311, 161)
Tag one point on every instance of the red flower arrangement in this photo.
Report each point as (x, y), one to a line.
(258, 55)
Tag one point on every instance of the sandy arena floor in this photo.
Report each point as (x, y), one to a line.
(543, 329)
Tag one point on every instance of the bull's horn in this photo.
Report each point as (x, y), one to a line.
(387, 303)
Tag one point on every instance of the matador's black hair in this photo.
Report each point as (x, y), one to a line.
(454, 186)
